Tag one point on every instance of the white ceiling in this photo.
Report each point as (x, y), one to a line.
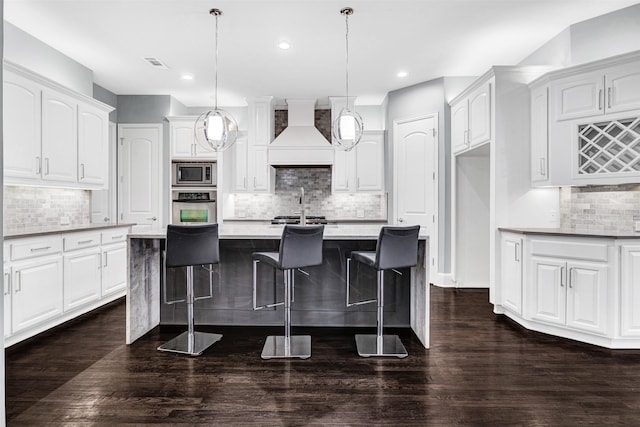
(425, 38)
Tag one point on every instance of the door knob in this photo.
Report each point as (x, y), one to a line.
(107, 219)
(400, 219)
(153, 218)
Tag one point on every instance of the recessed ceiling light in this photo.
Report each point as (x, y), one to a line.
(402, 74)
(187, 77)
(284, 45)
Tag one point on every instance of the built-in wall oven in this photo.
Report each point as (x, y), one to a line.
(193, 174)
(193, 206)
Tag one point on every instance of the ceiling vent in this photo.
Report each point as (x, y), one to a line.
(156, 63)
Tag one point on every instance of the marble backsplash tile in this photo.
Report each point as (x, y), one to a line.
(319, 199)
(40, 207)
(600, 208)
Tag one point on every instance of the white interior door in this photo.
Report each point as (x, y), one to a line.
(415, 180)
(103, 202)
(139, 169)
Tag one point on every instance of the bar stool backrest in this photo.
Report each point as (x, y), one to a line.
(397, 247)
(301, 246)
(192, 245)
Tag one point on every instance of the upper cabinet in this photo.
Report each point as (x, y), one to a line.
(361, 169)
(471, 119)
(52, 136)
(588, 130)
(183, 140)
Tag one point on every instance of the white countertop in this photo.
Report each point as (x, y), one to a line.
(269, 231)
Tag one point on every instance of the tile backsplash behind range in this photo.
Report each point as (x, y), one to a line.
(38, 207)
(316, 182)
(600, 208)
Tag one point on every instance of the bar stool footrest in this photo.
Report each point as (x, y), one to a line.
(200, 340)
(275, 348)
(367, 346)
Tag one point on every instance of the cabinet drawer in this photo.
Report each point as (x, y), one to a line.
(571, 249)
(35, 246)
(114, 235)
(73, 241)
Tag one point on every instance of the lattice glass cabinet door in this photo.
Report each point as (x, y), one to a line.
(609, 147)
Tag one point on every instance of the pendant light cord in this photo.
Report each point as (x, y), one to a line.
(346, 21)
(215, 91)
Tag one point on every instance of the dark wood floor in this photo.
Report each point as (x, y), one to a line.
(480, 370)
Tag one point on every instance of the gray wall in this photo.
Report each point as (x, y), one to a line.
(2, 376)
(24, 49)
(109, 98)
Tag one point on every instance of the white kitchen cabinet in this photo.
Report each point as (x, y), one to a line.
(612, 89)
(52, 136)
(37, 291)
(511, 278)
(183, 140)
(261, 169)
(362, 168)
(471, 119)
(630, 290)
(93, 146)
(81, 277)
(59, 137)
(540, 134)
(7, 300)
(22, 121)
(261, 120)
(548, 300)
(251, 172)
(114, 268)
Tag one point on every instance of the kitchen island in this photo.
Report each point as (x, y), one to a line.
(319, 297)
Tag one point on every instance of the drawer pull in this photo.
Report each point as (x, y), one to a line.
(18, 281)
(117, 237)
(43, 248)
(84, 242)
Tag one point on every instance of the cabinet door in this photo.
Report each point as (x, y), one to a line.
(37, 291)
(587, 296)
(623, 88)
(511, 266)
(59, 137)
(370, 163)
(630, 290)
(114, 268)
(539, 134)
(342, 170)
(240, 172)
(182, 139)
(7, 301)
(93, 145)
(480, 116)
(548, 295)
(81, 277)
(578, 96)
(22, 120)
(459, 127)
(260, 168)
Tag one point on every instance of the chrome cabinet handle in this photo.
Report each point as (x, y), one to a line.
(152, 218)
(46, 166)
(517, 252)
(570, 279)
(608, 97)
(7, 283)
(42, 248)
(562, 279)
(84, 242)
(106, 259)
(39, 165)
(117, 237)
(18, 281)
(600, 99)
(254, 182)
(81, 170)
(542, 166)
(106, 219)
(400, 219)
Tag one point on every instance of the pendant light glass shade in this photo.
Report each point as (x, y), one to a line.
(347, 129)
(216, 130)
(348, 126)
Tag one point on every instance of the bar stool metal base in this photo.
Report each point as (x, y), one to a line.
(200, 342)
(275, 347)
(367, 346)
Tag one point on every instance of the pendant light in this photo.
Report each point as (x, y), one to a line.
(347, 127)
(216, 130)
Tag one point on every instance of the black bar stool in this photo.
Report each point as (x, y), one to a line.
(187, 246)
(397, 247)
(300, 246)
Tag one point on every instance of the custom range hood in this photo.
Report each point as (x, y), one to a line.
(300, 144)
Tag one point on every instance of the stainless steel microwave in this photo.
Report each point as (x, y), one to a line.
(194, 174)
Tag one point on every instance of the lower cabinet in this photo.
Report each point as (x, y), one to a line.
(51, 279)
(81, 277)
(36, 291)
(584, 288)
(570, 293)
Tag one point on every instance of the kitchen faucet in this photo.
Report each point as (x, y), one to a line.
(303, 214)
